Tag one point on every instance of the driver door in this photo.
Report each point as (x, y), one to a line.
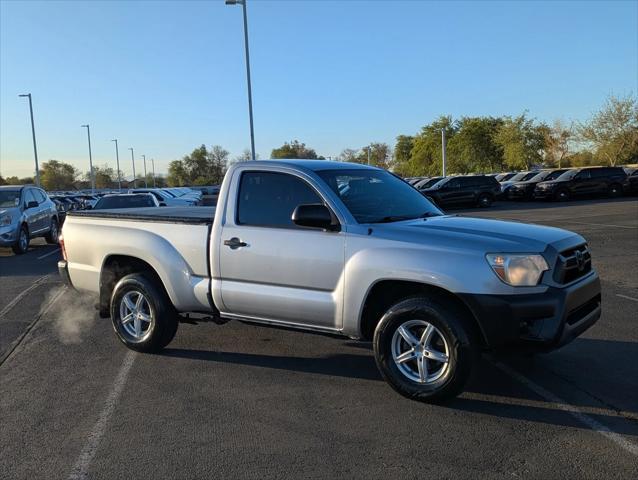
(272, 269)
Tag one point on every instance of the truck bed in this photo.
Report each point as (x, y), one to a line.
(190, 215)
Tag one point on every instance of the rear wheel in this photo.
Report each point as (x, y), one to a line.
(22, 243)
(142, 314)
(54, 232)
(424, 349)
(485, 200)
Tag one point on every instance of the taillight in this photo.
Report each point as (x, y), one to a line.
(61, 240)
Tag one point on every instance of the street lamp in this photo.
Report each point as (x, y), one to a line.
(35, 148)
(88, 133)
(145, 177)
(133, 161)
(250, 94)
(117, 158)
(153, 164)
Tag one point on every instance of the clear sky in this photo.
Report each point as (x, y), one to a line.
(166, 76)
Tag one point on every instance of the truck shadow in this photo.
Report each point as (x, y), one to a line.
(490, 391)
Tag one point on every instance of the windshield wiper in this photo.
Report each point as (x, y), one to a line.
(394, 218)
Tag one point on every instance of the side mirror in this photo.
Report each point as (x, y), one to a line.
(32, 204)
(162, 204)
(315, 215)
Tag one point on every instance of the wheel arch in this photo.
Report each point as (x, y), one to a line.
(114, 268)
(385, 293)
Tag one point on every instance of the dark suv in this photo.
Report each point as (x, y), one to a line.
(524, 190)
(470, 190)
(584, 181)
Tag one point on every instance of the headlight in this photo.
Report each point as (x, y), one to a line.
(5, 220)
(517, 270)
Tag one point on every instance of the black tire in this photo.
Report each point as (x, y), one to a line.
(562, 195)
(22, 243)
(451, 324)
(615, 190)
(164, 323)
(485, 200)
(54, 232)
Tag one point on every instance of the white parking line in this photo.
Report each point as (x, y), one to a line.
(81, 467)
(627, 297)
(50, 253)
(573, 411)
(21, 295)
(599, 224)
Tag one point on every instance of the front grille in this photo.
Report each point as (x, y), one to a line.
(573, 264)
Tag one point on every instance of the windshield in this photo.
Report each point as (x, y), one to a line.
(9, 198)
(124, 201)
(568, 175)
(377, 196)
(554, 175)
(539, 177)
(502, 177)
(431, 182)
(520, 176)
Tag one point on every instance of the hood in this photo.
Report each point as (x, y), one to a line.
(4, 210)
(479, 234)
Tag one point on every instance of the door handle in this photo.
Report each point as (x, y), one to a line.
(234, 243)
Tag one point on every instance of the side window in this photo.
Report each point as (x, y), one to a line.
(39, 196)
(28, 197)
(268, 199)
(454, 183)
(583, 175)
(465, 182)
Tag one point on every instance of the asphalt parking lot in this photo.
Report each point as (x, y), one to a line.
(239, 401)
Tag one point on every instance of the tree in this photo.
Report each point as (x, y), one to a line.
(294, 149)
(348, 155)
(2, 181)
(522, 142)
(426, 154)
(244, 156)
(473, 148)
(200, 167)
(103, 176)
(56, 175)
(557, 142)
(613, 130)
(402, 152)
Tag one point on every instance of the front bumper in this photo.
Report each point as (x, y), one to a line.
(8, 235)
(518, 194)
(543, 321)
(63, 270)
(543, 194)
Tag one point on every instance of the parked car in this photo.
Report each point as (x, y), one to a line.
(126, 200)
(26, 212)
(207, 189)
(426, 183)
(478, 190)
(165, 198)
(376, 260)
(584, 181)
(519, 177)
(414, 180)
(632, 180)
(503, 177)
(525, 190)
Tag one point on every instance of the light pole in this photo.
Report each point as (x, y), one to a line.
(250, 94)
(35, 148)
(368, 154)
(443, 150)
(153, 164)
(133, 161)
(117, 159)
(145, 177)
(88, 133)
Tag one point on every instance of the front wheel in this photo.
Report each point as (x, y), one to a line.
(485, 200)
(615, 190)
(562, 195)
(143, 317)
(54, 232)
(22, 243)
(424, 349)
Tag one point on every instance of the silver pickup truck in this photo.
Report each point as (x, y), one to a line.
(343, 249)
